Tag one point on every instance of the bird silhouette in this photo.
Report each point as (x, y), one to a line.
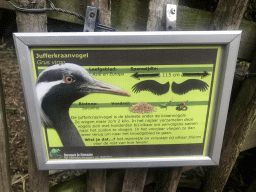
(152, 86)
(57, 88)
(189, 85)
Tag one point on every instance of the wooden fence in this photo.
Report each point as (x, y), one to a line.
(136, 18)
(5, 179)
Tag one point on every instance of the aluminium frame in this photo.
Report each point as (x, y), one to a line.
(228, 40)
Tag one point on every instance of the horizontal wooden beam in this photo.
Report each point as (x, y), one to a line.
(133, 16)
(189, 19)
(6, 5)
(77, 6)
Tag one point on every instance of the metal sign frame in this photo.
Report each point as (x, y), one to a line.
(227, 40)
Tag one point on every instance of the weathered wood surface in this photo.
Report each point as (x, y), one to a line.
(5, 5)
(157, 14)
(221, 18)
(138, 23)
(133, 15)
(240, 118)
(96, 180)
(239, 123)
(134, 180)
(115, 178)
(168, 179)
(38, 180)
(250, 140)
(5, 178)
(28, 22)
(188, 19)
(252, 186)
(130, 15)
(75, 6)
(104, 7)
(80, 8)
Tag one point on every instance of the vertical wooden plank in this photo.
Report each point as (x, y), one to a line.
(130, 15)
(157, 12)
(96, 181)
(28, 22)
(239, 123)
(104, 7)
(134, 180)
(5, 179)
(227, 16)
(168, 179)
(115, 178)
(6, 5)
(38, 180)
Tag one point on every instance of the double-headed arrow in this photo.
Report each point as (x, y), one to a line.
(138, 76)
(203, 75)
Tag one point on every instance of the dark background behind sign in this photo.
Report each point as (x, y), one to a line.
(134, 57)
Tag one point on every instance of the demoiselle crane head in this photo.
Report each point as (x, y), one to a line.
(59, 86)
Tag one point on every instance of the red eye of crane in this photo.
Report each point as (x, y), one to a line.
(69, 79)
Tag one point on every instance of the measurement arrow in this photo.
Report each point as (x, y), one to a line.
(138, 76)
(203, 75)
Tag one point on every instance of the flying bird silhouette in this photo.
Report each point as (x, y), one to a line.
(152, 86)
(189, 85)
(57, 88)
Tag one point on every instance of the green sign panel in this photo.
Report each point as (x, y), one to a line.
(116, 102)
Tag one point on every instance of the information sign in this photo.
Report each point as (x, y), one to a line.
(109, 100)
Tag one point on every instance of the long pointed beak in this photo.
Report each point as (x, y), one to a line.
(98, 86)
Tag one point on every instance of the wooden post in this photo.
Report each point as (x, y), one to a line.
(157, 12)
(5, 179)
(252, 186)
(96, 179)
(104, 7)
(228, 15)
(134, 180)
(130, 15)
(29, 22)
(239, 123)
(168, 179)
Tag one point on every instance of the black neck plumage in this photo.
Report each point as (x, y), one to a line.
(58, 113)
